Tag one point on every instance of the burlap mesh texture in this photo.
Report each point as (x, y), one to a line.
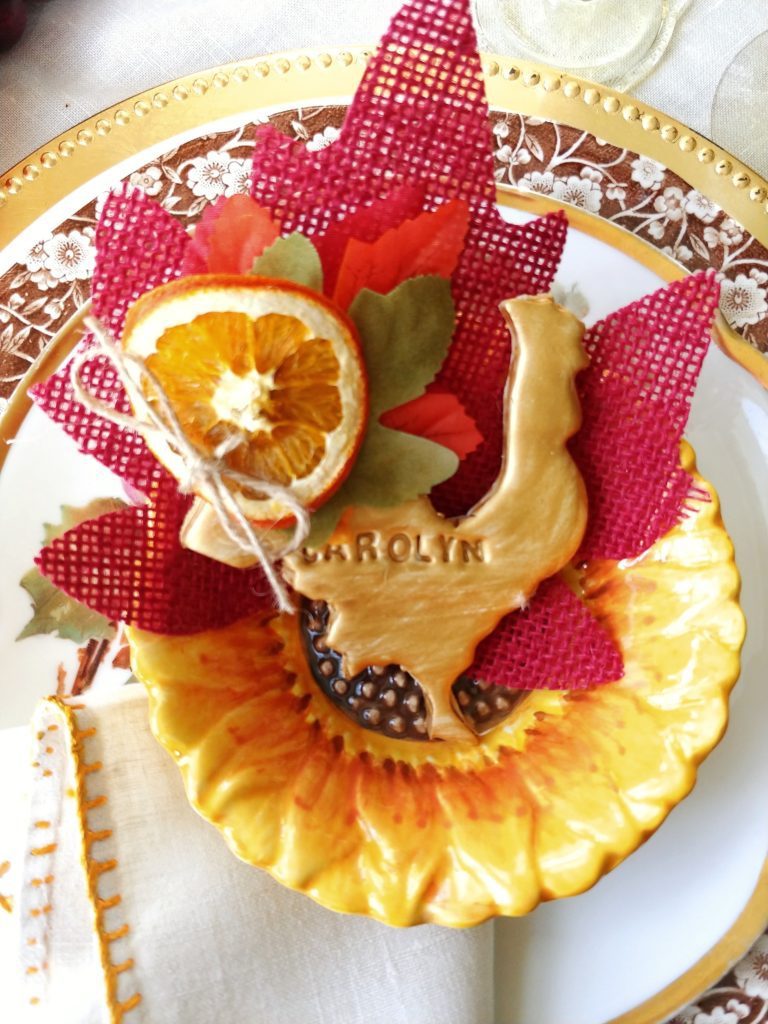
(129, 565)
(416, 134)
(419, 119)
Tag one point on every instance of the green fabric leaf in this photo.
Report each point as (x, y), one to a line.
(405, 336)
(392, 468)
(292, 258)
(54, 611)
(73, 515)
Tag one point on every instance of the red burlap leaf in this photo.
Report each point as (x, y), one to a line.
(138, 247)
(636, 395)
(427, 128)
(129, 566)
(122, 451)
(477, 365)
(554, 644)
(418, 116)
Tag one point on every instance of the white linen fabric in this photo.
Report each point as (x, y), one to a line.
(78, 57)
(15, 753)
(186, 933)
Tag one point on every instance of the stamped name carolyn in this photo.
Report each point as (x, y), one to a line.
(372, 546)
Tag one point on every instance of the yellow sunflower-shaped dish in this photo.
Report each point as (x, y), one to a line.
(455, 832)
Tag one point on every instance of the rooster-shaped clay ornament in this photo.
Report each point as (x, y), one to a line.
(408, 587)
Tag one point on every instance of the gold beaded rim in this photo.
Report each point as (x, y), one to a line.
(28, 189)
(16, 215)
(652, 124)
(302, 77)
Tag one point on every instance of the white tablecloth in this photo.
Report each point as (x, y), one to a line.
(79, 56)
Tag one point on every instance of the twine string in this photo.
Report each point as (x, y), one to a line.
(205, 475)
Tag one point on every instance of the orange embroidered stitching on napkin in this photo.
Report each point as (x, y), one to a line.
(95, 869)
(6, 902)
(36, 898)
(57, 743)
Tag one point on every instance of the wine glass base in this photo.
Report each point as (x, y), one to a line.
(609, 41)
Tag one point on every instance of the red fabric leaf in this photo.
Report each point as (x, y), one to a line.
(635, 397)
(138, 247)
(420, 116)
(172, 591)
(429, 244)
(440, 417)
(229, 236)
(554, 644)
(366, 224)
(196, 256)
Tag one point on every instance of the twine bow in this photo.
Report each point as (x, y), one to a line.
(204, 474)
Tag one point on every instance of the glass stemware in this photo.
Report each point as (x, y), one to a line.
(738, 110)
(611, 41)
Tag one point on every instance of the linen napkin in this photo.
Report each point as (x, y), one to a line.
(132, 909)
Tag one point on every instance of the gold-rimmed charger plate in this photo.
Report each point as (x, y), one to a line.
(71, 165)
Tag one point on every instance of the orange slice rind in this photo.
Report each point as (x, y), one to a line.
(264, 375)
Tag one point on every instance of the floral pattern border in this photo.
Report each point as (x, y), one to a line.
(634, 192)
(741, 997)
(645, 198)
(38, 294)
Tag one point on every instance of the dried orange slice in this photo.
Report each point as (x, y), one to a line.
(265, 374)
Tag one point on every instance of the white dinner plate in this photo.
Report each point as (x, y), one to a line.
(601, 955)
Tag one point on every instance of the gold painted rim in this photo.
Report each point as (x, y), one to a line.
(713, 965)
(31, 187)
(100, 142)
(642, 252)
